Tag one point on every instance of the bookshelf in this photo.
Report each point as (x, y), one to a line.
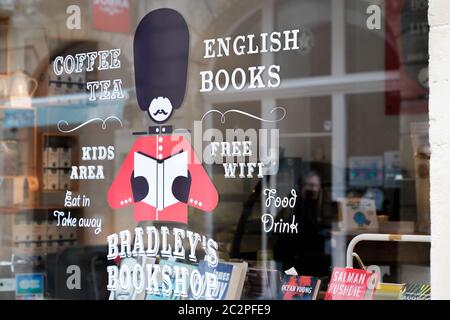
(18, 146)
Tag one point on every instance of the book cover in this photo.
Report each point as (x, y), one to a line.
(300, 288)
(388, 291)
(172, 264)
(262, 284)
(237, 280)
(131, 293)
(358, 214)
(224, 273)
(414, 291)
(351, 284)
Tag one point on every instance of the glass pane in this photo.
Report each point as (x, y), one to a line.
(366, 49)
(251, 25)
(388, 161)
(313, 19)
(248, 141)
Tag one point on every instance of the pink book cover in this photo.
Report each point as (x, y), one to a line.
(350, 284)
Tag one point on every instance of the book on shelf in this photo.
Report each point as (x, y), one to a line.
(262, 284)
(230, 276)
(357, 214)
(131, 293)
(172, 264)
(415, 291)
(388, 291)
(237, 280)
(351, 284)
(300, 287)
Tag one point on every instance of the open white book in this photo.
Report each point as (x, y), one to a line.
(160, 175)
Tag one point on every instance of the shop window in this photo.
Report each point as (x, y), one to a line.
(345, 128)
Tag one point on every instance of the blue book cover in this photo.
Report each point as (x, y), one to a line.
(224, 272)
(172, 297)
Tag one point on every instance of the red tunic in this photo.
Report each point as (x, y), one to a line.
(202, 194)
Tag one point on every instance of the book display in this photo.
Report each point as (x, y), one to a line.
(350, 284)
(358, 214)
(236, 282)
(414, 291)
(300, 288)
(262, 284)
(388, 291)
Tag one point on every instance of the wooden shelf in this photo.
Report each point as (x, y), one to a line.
(5, 107)
(14, 176)
(14, 210)
(30, 208)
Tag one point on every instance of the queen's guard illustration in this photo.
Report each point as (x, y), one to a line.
(161, 175)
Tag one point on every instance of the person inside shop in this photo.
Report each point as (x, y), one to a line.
(305, 250)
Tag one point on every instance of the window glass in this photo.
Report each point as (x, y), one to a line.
(313, 19)
(250, 141)
(366, 50)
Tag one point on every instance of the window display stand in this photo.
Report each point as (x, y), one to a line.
(382, 237)
(389, 291)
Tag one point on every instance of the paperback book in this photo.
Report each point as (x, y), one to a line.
(300, 288)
